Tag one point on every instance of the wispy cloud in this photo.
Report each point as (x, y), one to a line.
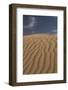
(54, 31)
(31, 23)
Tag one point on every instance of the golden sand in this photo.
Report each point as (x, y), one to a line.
(40, 54)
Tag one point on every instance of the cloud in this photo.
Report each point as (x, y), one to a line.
(31, 23)
(54, 31)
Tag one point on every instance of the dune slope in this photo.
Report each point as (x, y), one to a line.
(40, 54)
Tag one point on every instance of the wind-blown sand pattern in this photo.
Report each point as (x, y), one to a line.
(40, 54)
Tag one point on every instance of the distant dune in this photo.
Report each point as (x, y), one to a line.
(40, 54)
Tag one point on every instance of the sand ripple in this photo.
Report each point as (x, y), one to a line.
(40, 54)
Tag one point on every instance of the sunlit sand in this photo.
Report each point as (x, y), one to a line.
(40, 54)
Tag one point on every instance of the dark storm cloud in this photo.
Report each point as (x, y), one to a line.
(39, 24)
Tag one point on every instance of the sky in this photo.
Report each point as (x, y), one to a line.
(39, 24)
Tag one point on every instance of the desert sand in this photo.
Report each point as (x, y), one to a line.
(40, 54)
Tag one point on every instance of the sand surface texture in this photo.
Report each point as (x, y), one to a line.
(40, 54)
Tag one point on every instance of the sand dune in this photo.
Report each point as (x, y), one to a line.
(40, 54)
